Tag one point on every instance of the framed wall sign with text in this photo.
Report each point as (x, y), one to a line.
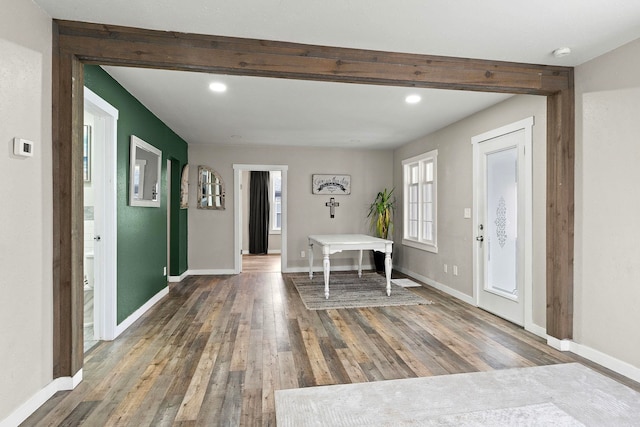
(331, 184)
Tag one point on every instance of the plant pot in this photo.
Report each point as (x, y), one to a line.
(378, 260)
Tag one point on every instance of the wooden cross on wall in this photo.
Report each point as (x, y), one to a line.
(332, 204)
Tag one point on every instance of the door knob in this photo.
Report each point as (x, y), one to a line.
(97, 238)
(480, 238)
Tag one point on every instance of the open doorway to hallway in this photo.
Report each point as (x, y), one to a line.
(273, 256)
(263, 255)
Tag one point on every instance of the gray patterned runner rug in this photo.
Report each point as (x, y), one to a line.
(350, 291)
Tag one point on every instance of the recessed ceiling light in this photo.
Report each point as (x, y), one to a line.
(413, 99)
(218, 87)
(561, 51)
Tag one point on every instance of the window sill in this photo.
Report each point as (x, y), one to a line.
(422, 246)
(275, 232)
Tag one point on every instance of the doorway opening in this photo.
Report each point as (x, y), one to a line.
(268, 259)
(274, 260)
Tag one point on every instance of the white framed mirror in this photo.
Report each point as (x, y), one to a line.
(145, 168)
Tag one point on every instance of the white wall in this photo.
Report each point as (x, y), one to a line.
(607, 232)
(26, 300)
(211, 234)
(455, 192)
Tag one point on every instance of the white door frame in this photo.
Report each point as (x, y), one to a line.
(237, 205)
(527, 174)
(105, 302)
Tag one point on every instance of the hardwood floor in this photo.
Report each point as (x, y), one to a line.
(261, 263)
(215, 350)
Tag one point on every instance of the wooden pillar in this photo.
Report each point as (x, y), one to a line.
(560, 211)
(68, 224)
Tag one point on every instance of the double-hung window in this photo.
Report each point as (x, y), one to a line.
(420, 201)
(276, 201)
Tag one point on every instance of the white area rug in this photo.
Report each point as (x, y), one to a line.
(405, 283)
(557, 395)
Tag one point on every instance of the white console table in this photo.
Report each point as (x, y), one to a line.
(333, 243)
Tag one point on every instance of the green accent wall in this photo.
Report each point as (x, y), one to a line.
(142, 231)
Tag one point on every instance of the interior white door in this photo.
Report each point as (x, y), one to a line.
(103, 181)
(500, 225)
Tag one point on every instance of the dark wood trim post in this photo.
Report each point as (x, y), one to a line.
(68, 101)
(560, 211)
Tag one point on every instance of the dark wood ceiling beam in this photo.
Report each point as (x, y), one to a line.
(76, 43)
(114, 45)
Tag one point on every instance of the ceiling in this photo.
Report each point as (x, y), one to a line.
(257, 110)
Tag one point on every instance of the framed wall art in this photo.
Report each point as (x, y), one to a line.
(331, 184)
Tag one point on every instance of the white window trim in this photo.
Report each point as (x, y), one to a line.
(406, 240)
(272, 214)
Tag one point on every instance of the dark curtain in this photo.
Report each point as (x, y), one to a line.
(259, 212)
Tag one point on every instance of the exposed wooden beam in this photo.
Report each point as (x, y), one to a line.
(76, 43)
(114, 45)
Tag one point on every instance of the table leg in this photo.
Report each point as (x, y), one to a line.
(360, 264)
(387, 271)
(310, 255)
(326, 264)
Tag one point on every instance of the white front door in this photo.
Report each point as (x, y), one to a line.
(502, 194)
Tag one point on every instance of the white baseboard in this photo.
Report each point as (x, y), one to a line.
(441, 287)
(180, 278)
(537, 330)
(142, 310)
(25, 410)
(317, 269)
(610, 362)
(269, 251)
(210, 272)
(561, 345)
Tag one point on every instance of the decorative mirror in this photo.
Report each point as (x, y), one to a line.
(211, 189)
(145, 168)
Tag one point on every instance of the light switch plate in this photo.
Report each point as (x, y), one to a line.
(467, 213)
(22, 147)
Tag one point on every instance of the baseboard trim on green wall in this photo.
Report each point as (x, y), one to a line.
(180, 278)
(141, 311)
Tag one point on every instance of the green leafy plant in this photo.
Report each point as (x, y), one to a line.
(381, 213)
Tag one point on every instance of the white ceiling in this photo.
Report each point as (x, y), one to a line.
(288, 112)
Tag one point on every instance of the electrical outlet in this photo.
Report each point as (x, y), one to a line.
(455, 270)
(302, 254)
(446, 268)
(164, 271)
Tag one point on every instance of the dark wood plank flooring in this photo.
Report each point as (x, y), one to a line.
(216, 349)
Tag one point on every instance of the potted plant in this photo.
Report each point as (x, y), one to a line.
(381, 221)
